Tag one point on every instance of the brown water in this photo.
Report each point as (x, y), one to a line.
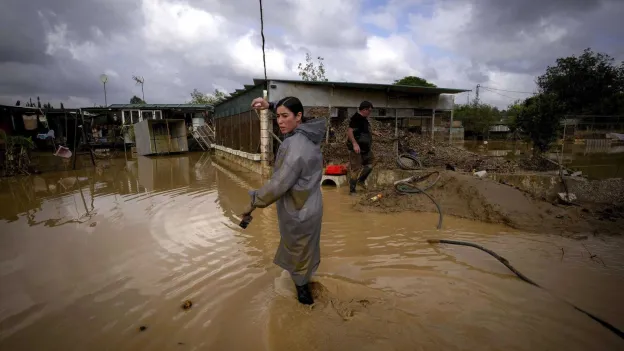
(88, 257)
(595, 158)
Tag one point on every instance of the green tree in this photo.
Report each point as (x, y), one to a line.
(477, 117)
(310, 71)
(135, 100)
(588, 84)
(415, 81)
(197, 97)
(539, 119)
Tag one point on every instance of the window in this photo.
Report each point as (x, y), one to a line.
(147, 115)
(135, 116)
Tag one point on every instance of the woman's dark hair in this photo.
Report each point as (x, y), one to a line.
(293, 104)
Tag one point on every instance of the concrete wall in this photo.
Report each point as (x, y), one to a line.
(314, 95)
(248, 161)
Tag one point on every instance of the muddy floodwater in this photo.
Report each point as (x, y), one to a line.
(88, 257)
(597, 159)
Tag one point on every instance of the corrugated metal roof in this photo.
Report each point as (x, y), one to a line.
(369, 86)
(161, 106)
(372, 86)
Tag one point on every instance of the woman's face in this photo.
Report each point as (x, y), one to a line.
(286, 120)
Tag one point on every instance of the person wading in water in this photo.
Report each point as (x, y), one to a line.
(360, 143)
(295, 187)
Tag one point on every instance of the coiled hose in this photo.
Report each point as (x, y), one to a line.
(504, 261)
(407, 186)
(417, 164)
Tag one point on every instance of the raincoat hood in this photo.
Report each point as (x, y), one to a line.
(313, 129)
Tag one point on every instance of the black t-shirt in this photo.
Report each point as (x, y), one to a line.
(361, 132)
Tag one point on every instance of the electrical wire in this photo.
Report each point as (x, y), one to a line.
(492, 91)
(508, 91)
(263, 41)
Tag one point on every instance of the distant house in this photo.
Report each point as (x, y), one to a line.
(426, 109)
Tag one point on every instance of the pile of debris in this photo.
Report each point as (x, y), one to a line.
(431, 153)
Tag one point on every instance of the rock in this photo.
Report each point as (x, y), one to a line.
(480, 174)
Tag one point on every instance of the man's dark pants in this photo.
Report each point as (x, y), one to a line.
(360, 167)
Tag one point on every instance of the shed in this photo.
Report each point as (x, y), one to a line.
(160, 136)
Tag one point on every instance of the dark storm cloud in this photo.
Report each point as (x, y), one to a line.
(23, 24)
(587, 22)
(25, 67)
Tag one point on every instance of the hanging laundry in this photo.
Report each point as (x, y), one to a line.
(30, 122)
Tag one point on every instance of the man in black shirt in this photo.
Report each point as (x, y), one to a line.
(360, 145)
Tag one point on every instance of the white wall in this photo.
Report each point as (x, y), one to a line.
(319, 95)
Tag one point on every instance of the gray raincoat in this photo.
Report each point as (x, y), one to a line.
(296, 187)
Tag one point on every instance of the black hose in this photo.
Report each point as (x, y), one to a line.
(407, 187)
(504, 261)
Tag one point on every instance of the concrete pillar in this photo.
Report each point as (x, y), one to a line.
(265, 140)
(451, 125)
(433, 124)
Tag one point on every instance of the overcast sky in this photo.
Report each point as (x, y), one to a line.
(57, 49)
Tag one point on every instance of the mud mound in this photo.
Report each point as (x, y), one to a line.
(485, 200)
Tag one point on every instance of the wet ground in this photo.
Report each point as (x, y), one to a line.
(88, 257)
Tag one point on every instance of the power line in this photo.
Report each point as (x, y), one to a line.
(491, 91)
(262, 33)
(509, 91)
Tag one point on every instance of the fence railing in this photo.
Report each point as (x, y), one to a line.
(239, 132)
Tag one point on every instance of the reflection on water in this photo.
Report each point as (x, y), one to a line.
(87, 257)
(598, 159)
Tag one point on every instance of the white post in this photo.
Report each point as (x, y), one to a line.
(265, 140)
(451, 125)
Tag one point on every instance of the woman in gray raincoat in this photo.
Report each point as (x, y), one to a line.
(296, 188)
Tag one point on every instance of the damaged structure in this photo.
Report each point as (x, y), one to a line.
(250, 138)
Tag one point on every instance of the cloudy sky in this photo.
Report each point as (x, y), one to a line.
(57, 49)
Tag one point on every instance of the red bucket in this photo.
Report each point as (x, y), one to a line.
(336, 170)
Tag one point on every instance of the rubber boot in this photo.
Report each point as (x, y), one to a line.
(304, 295)
(364, 175)
(352, 185)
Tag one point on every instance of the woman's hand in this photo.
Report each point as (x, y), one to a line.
(259, 104)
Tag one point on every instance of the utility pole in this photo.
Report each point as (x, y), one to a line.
(468, 99)
(477, 97)
(104, 79)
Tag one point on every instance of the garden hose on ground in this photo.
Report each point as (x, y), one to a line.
(504, 261)
(407, 186)
(417, 164)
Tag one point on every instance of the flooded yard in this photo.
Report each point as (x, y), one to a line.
(88, 257)
(598, 159)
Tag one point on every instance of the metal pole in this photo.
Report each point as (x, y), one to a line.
(105, 100)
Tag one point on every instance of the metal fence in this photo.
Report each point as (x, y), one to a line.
(239, 132)
(591, 127)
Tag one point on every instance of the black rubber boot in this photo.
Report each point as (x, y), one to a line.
(304, 295)
(352, 185)
(364, 175)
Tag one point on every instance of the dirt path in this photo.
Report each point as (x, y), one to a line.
(485, 200)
